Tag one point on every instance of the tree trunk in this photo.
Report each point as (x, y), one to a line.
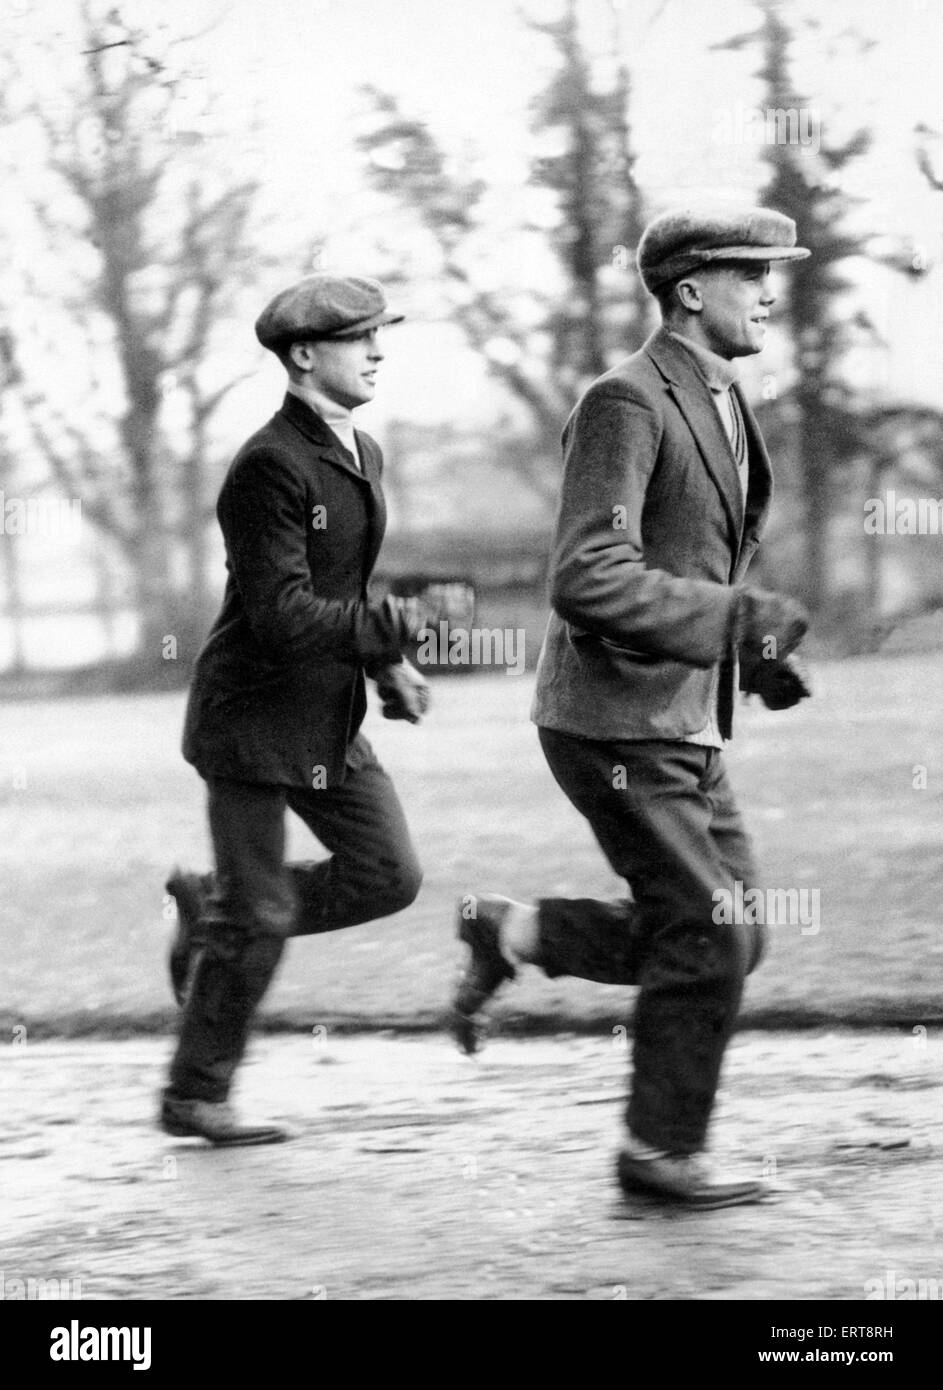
(873, 569)
(195, 543)
(155, 609)
(14, 604)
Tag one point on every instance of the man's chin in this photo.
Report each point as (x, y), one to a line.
(749, 349)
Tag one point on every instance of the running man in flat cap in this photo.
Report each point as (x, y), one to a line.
(666, 489)
(278, 697)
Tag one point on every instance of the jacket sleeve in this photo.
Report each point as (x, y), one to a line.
(263, 516)
(599, 579)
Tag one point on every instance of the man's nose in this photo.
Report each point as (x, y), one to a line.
(768, 297)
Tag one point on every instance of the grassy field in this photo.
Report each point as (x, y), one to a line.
(97, 803)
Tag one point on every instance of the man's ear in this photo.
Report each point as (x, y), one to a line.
(689, 295)
(300, 356)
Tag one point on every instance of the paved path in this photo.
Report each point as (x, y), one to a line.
(420, 1174)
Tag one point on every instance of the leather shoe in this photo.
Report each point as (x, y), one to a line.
(187, 891)
(683, 1180)
(215, 1121)
(487, 969)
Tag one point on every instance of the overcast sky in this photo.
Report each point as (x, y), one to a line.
(471, 68)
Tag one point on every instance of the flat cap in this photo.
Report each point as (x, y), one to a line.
(679, 241)
(323, 306)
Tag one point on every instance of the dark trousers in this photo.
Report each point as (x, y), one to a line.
(257, 900)
(664, 815)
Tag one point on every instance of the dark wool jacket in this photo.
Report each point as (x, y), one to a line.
(278, 690)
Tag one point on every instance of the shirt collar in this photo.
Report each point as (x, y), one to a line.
(330, 412)
(720, 373)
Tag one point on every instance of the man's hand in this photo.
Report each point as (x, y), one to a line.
(768, 625)
(404, 692)
(779, 684)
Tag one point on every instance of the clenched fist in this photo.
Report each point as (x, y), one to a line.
(768, 625)
(404, 692)
(779, 684)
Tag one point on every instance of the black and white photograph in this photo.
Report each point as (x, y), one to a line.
(471, 665)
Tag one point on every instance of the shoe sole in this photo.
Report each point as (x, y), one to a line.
(657, 1196)
(182, 1131)
(649, 1197)
(633, 1186)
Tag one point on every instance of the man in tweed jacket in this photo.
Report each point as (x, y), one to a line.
(666, 489)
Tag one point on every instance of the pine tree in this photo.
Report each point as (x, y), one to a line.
(804, 183)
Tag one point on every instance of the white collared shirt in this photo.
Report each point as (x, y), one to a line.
(720, 375)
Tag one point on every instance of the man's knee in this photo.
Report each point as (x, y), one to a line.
(402, 886)
(237, 913)
(700, 958)
(731, 958)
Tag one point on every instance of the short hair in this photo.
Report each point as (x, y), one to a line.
(282, 350)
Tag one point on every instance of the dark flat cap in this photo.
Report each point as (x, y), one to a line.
(679, 241)
(323, 306)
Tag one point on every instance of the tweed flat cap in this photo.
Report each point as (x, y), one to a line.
(679, 241)
(323, 306)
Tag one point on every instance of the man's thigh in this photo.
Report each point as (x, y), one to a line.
(727, 828)
(252, 893)
(361, 819)
(663, 815)
(736, 852)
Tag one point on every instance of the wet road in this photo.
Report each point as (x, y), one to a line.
(419, 1174)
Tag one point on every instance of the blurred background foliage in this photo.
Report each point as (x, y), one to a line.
(140, 245)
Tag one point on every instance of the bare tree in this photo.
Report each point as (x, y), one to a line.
(147, 242)
(9, 543)
(545, 352)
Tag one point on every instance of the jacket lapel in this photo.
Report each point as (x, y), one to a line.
(760, 493)
(329, 448)
(314, 429)
(370, 458)
(692, 396)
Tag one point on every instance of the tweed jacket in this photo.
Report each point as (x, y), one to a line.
(652, 533)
